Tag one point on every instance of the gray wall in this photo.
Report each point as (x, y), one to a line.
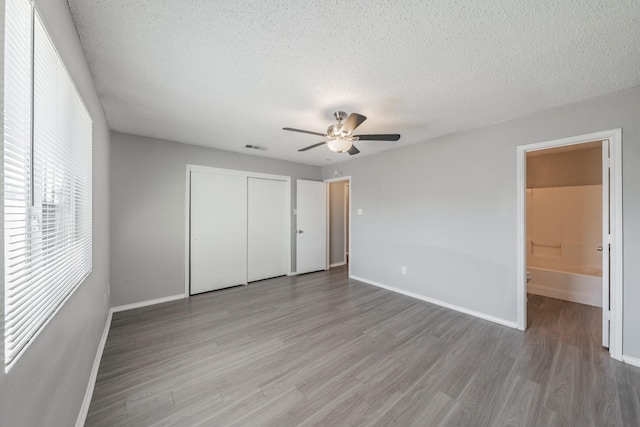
(446, 209)
(148, 178)
(47, 385)
(337, 228)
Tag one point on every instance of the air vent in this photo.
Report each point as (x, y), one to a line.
(255, 147)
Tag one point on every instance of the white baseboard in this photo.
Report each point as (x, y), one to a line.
(631, 360)
(440, 303)
(337, 264)
(147, 303)
(84, 409)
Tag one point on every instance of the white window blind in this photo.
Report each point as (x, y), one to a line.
(47, 180)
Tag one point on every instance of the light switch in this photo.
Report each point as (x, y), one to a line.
(359, 211)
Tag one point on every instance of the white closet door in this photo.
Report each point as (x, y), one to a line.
(311, 249)
(218, 231)
(267, 227)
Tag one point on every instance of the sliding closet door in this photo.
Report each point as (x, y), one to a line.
(267, 228)
(218, 232)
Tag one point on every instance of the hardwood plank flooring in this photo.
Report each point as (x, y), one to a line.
(321, 349)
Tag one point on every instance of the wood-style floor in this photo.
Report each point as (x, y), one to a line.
(320, 349)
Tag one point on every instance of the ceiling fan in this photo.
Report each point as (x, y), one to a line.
(340, 135)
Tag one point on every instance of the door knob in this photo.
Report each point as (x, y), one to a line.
(599, 248)
(300, 231)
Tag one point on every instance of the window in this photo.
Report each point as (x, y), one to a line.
(47, 181)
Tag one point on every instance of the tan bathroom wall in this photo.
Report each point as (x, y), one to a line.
(564, 228)
(552, 168)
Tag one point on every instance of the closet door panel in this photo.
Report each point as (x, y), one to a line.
(267, 228)
(218, 233)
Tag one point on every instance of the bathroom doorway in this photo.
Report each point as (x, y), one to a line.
(569, 215)
(564, 211)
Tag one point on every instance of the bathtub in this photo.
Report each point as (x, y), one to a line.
(573, 286)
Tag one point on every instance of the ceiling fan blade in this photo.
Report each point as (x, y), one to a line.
(304, 131)
(313, 146)
(353, 122)
(353, 150)
(379, 137)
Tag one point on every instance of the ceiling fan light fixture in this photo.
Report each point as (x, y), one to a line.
(339, 145)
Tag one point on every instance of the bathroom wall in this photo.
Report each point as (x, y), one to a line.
(564, 208)
(557, 167)
(564, 229)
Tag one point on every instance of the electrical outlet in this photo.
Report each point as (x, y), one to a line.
(403, 270)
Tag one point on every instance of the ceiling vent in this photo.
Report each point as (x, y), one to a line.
(255, 147)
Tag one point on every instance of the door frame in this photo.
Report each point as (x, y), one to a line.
(187, 211)
(615, 197)
(347, 249)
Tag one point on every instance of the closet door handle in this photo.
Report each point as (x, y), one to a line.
(300, 231)
(599, 248)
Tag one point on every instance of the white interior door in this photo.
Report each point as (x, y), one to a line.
(218, 234)
(606, 243)
(311, 248)
(267, 228)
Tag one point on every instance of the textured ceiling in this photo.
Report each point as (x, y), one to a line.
(227, 73)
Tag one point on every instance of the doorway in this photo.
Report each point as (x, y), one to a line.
(339, 230)
(553, 216)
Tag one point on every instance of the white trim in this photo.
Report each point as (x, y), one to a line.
(440, 303)
(634, 361)
(615, 138)
(605, 214)
(347, 195)
(248, 174)
(521, 240)
(147, 303)
(187, 232)
(348, 179)
(616, 270)
(288, 226)
(326, 226)
(84, 409)
(341, 178)
(337, 264)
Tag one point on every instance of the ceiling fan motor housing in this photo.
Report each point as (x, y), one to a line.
(340, 115)
(335, 131)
